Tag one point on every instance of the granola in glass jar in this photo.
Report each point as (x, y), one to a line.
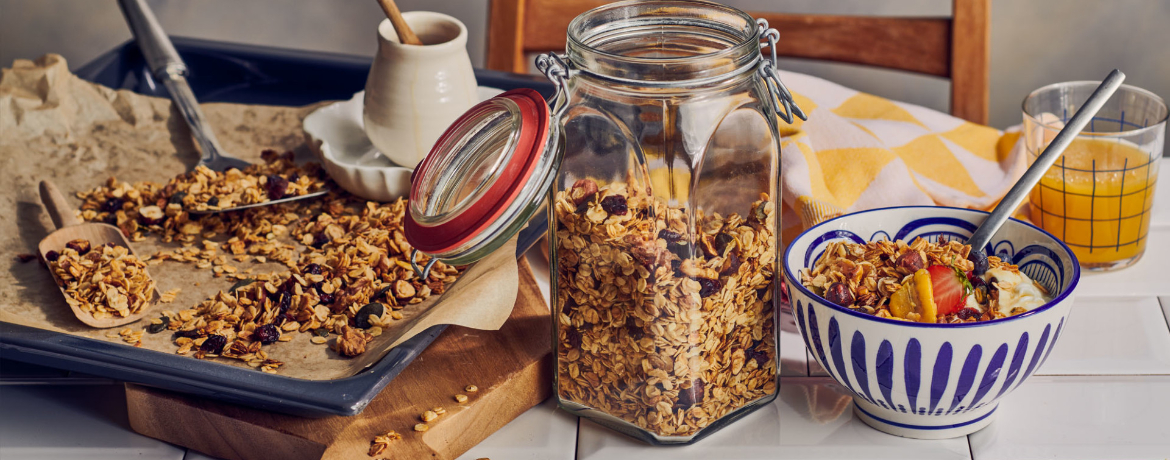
(662, 321)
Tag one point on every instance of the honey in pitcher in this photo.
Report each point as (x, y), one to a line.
(1097, 199)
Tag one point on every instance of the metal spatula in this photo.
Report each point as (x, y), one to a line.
(166, 66)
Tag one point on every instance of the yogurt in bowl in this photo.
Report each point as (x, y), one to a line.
(924, 379)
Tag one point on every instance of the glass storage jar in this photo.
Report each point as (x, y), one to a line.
(665, 221)
(660, 161)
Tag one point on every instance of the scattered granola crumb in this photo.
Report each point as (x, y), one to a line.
(170, 295)
(471, 389)
(460, 398)
(381, 442)
(428, 416)
(22, 258)
(439, 410)
(421, 427)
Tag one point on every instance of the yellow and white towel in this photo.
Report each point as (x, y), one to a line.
(858, 151)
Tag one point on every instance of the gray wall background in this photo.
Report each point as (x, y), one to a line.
(1033, 42)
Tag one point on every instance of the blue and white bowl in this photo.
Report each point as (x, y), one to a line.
(931, 381)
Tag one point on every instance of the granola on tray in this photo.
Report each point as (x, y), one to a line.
(922, 281)
(347, 272)
(662, 328)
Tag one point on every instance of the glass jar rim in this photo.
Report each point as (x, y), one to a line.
(746, 44)
(1161, 123)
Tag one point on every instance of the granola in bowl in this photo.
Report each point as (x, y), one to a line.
(662, 322)
(105, 281)
(922, 281)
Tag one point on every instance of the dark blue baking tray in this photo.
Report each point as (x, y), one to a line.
(228, 72)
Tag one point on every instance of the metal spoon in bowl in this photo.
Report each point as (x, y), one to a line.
(1019, 191)
(166, 65)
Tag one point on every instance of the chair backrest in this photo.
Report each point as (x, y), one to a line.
(956, 47)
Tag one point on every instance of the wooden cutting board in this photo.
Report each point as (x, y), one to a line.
(511, 367)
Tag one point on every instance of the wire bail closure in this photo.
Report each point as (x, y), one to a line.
(782, 100)
(425, 271)
(556, 70)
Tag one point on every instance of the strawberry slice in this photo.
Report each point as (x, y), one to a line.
(950, 288)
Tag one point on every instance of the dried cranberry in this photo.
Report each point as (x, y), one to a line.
(320, 240)
(111, 219)
(326, 299)
(708, 286)
(688, 397)
(277, 186)
(214, 344)
(570, 304)
(632, 328)
(313, 269)
(294, 177)
(839, 294)
(266, 334)
(975, 280)
(213, 201)
(968, 313)
(285, 302)
(669, 236)
(615, 205)
(113, 205)
(754, 353)
(683, 250)
(52, 256)
(676, 265)
(574, 338)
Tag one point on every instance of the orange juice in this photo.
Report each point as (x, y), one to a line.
(1097, 199)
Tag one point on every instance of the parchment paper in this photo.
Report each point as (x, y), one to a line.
(56, 126)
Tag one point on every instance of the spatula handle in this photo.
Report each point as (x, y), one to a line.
(59, 209)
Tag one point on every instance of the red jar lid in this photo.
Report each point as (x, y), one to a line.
(466, 189)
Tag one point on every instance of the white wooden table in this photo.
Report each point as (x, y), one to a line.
(1104, 393)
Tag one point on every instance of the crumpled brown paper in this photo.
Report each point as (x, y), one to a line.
(56, 126)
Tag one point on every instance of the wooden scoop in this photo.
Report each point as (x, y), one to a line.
(405, 35)
(69, 228)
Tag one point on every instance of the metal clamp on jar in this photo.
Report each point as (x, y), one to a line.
(661, 166)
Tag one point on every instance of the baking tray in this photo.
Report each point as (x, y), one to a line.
(247, 74)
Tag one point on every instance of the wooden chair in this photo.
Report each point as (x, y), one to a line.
(956, 47)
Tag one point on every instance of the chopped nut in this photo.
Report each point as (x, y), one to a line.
(352, 341)
(421, 427)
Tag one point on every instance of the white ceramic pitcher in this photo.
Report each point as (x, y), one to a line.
(414, 92)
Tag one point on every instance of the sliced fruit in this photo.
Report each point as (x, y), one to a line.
(950, 288)
(915, 299)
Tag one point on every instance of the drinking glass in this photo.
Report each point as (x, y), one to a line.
(1098, 195)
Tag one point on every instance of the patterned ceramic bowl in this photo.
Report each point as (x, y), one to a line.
(931, 381)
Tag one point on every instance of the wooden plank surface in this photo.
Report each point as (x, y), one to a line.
(511, 367)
